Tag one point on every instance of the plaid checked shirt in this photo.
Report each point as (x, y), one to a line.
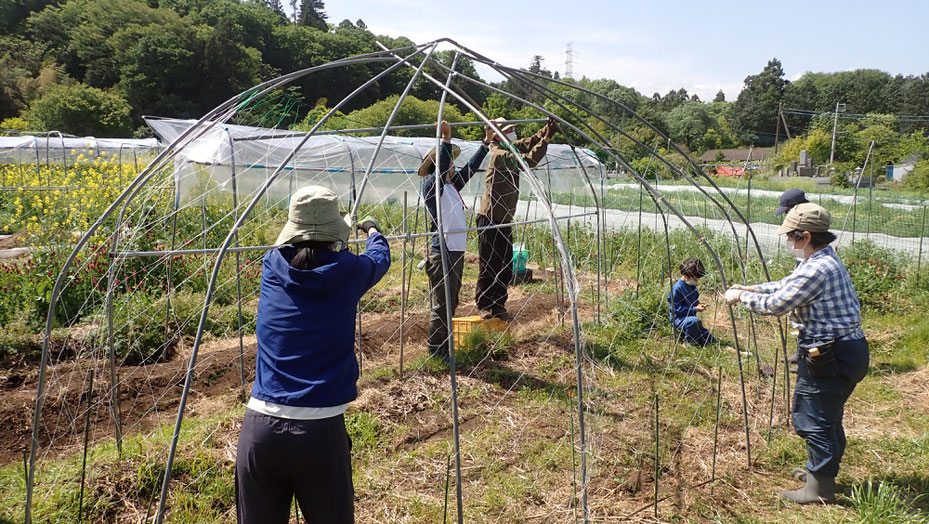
(819, 296)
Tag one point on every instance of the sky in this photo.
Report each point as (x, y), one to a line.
(657, 46)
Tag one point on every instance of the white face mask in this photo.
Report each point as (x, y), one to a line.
(798, 253)
(511, 136)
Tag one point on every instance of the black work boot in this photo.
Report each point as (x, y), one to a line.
(817, 490)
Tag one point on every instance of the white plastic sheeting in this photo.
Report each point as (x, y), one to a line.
(338, 162)
(56, 149)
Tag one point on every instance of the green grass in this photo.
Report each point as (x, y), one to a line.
(202, 478)
(883, 503)
(513, 467)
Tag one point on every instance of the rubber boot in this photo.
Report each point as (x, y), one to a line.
(817, 490)
(799, 474)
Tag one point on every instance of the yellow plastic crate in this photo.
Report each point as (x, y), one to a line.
(461, 326)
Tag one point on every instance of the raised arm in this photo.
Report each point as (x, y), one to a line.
(533, 148)
(375, 261)
(464, 174)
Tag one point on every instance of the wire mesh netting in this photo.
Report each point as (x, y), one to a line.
(589, 396)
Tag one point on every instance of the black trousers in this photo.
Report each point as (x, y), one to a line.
(438, 325)
(495, 250)
(279, 458)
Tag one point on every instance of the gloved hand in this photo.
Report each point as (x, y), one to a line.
(733, 294)
(367, 223)
(743, 288)
(551, 127)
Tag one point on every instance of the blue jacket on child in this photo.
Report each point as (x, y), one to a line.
(306, 325)
(683, 300)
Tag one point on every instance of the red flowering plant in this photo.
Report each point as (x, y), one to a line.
(877, 275)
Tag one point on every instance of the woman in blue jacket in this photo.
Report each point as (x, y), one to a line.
(293, 440)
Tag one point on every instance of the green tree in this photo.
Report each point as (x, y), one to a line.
(412, 111)
(155, 70)
(817, 143)
(297, 47)
(312, 14)
(314, 115)
(535, 66)
(81, 110)
(720, 96)
(14, 12)
(92, 26)
(19, 62)
(755, 110)
(918, 178)
(688, 123)
(276, 6)
(499, 106)
(425, 89)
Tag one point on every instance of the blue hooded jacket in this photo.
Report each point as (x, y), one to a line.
(306, 325)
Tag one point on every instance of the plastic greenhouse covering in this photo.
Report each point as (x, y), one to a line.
(339, 162)
(58, 149)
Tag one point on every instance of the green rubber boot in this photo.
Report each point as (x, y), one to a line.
(817, 490)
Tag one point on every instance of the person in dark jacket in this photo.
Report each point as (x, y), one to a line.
(498, 205)
(684, 300)
(790, 198)
(453, 218)
(293, 440)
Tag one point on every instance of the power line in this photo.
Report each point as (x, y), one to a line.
(858, 116)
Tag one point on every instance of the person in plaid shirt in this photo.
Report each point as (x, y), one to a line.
(833, 349)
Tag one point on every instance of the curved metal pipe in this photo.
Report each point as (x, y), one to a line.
(567, 268)
(680, 217)
(159, 516)
(165, 156)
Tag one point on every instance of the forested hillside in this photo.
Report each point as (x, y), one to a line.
(96, 66)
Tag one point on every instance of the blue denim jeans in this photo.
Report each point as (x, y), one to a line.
(819, 404)
(693, 331)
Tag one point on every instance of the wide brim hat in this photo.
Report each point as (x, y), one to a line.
(504, 127)
(806, 217)
(428, 165)
(314, 215)
(789, 199)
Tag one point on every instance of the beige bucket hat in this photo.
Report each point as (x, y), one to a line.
(314, 215)
(806, 217)
(504, 127)
(428, 165)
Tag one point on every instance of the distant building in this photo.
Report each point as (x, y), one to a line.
(735, 155)
(898, 172)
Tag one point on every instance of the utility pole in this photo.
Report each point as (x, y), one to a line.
(777, 130)
(786, 127)
(835, 124)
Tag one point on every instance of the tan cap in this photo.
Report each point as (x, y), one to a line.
(428, 165)
(314, 215)
(806, 217)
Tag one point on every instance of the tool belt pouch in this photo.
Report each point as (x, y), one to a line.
(822, 362)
